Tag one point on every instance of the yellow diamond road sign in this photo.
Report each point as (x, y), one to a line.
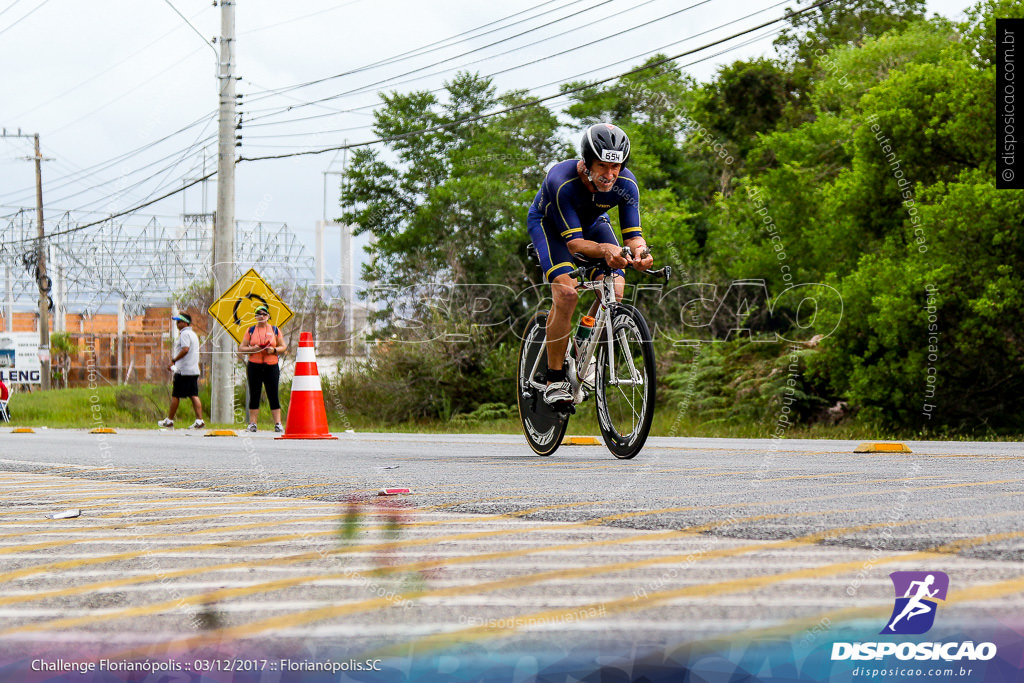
(234, 309)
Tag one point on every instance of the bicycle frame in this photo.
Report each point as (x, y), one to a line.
(605, 289)
(624, 382)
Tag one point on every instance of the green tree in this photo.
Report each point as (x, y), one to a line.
(450, 204)
(930, 337)
(933, 339)
(651, 105)
(446, 203)
(62, 350)
(744, 99)
(811, 35)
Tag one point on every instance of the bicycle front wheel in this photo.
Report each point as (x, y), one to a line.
(625, 382)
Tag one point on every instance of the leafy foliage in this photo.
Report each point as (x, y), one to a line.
(438, 378)
(749, 380)
(860, 159)
(452, 203)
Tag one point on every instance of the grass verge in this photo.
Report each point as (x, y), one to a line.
(141, 406)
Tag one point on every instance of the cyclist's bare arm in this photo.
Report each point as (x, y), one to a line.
(611, 253)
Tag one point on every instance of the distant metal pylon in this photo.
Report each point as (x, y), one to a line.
(145, 264)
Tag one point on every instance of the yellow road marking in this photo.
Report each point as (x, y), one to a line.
(81, 562)
(634, 603)
(988, 591)
(330, 611)
(238, 527)
(196, 500)
(443, 506)
(279, 584)
(624, 604)
(393, 545)
(34, 484)
(162, 522)
(382, 547)
(511, 582)
(102, 560)
(814, 476)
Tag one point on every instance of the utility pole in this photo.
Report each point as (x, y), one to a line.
(222, 396)
(44, 290)
(345, 278)
(44, 299)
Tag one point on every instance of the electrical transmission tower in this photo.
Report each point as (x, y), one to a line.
(144, 264)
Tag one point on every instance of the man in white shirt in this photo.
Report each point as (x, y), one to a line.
(185, 366)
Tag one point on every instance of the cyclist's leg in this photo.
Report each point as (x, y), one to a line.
(601, 231)
(556, 263)
(563, 303)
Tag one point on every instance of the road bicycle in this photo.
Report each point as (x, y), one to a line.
(616, 364)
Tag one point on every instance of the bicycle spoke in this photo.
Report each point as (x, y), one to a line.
(633, 374)
(631, 402)
(628, 365)
(626, 384)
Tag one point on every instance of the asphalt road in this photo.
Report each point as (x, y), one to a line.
(186, 542)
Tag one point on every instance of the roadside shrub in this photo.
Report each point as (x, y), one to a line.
(434, 379)
(745, 381)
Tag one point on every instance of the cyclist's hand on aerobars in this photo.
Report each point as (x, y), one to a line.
(613, 256)
(642, 259)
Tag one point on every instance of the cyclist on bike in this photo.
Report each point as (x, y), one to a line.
(570, 216)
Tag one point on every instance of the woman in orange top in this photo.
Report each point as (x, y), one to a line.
(264, 344)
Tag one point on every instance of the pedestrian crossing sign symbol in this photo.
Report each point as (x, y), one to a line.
(234, 310)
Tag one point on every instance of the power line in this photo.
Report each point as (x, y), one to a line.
(751, 41)
(77, 228)
(534, 102)
(514, 68)
(373, 86)
(295, 19)
(420, 51)
(192, 26)
(460, 122)
(102, 166)
(184, 155)
(24, 17)
(130, 91)
(101, 73)
(8, 8)
(181, 156)
(464, 54)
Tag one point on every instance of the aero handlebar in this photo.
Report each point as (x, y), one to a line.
(601, 265)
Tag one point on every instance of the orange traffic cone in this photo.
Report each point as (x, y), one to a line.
(307, 418)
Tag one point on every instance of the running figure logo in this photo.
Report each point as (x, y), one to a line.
(914, 611)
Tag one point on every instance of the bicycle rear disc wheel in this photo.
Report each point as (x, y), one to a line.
(625, 400)
(544, 427)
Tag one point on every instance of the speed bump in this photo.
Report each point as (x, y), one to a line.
(882, 448)
(23, 430)
(102, 430)
(580, 441)
(220, 432)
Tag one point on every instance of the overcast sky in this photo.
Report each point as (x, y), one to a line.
(100, 79)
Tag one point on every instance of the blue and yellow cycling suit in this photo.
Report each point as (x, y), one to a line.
(565, 209)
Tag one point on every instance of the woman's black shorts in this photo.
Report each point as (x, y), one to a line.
(262, 375)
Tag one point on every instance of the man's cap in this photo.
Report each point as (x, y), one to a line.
(183, 317)
(262, 309)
